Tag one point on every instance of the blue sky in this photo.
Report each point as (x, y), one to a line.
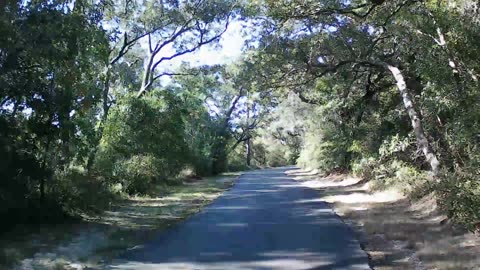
(230, 49)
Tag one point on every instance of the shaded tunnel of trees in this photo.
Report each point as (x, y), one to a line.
(90, 107)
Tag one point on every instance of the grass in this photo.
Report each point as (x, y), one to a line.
(98, 239)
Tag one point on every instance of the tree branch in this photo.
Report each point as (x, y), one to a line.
(190, 50)
(174, 74)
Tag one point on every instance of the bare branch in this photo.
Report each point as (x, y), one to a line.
(150, 43)
(233, 105)
(174, 74)
(128, 44)
(190, 50)
(337, 11)
(184, 28)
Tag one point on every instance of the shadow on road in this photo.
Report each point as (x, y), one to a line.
(267, 221)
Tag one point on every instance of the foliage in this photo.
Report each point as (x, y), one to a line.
(75, 191)
(459, 196)
(72, 131)
(135, 154)
(47, 83)
(137, 173)
(392, 85)
(386, 89)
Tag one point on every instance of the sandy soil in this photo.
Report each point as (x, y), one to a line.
(396, 232)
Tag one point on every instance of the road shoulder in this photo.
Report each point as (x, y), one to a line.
(93, 242)
(395, 232)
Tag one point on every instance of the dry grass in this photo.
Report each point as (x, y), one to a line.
(96, 240)
(395, 232)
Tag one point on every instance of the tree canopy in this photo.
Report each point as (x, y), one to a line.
(387, 90)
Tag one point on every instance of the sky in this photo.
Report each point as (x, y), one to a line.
(230, 49)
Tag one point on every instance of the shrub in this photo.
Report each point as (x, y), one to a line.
(459, 195)
(324, 155)
(143, 142)
(277, 156)
(202, 165)
(236, 160)
(76, 191)
(392, 173)
(139, 172)
(364, 167)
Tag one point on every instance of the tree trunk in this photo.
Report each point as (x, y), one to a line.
(44, 166)
(452, 62)
(422, 140)
(106, 90)
(248, 142)
(103, 120)
(147, 76)
(249, 151)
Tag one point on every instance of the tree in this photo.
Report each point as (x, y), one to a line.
(357, 63)
(48, 85)
(344, 44)
(185, 26)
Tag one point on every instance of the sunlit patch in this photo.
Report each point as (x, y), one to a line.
(232, 224)
(280, 260)
(362, 197)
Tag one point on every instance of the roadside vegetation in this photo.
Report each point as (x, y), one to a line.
(97, 239)
(395, 231)
(385, 90)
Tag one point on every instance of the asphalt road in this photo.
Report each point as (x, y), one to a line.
(266, 221)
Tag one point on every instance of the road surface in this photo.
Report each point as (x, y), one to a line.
(266, 221)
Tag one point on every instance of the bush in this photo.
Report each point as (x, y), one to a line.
(324, 155)
(459, 196)
(76, 191)
(139, 172)
(364, 167)
(202, 165)
(143, 142)
(391, 173)
(277, 155)
(236, 160)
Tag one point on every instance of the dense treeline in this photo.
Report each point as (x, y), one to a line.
(84, 116)
(385, 89)
(391, 89)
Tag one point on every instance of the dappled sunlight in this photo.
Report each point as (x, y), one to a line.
(355, 190)
(301, 172)
(313, 179)
(309, 201)
(322, 182)
(149, 212)
(396, 233)
(260, 190)
(232, 224)
(362, 197)
(114, 113)
(279, 259)
(125, 227)
(267, 221)
(229, 208)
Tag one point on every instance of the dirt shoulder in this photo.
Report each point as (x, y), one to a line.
(90, 244)
(396, 232)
